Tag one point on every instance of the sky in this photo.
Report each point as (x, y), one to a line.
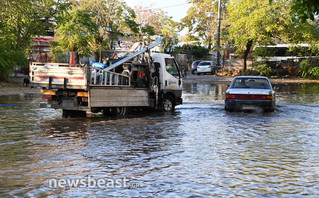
(175, 8)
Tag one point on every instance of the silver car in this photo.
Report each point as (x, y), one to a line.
(250, 93)
(206, 67)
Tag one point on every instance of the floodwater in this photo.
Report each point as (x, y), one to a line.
(198, 151)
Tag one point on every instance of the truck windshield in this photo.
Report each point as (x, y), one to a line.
(171, 67)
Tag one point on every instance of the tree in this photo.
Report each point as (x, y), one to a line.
(20, 21)
(260, 23)
(76, 32)
(201, 19)
(156, 22)
(112, 18)
(303, 10)
(149, 21)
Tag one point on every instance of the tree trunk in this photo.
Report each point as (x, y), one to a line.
(248, 47)
(100, 55)
(97, 56)
(77, 58)
(209, 43)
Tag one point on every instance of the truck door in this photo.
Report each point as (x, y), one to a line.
(172, 77)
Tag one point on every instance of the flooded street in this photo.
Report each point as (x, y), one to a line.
(199, 151)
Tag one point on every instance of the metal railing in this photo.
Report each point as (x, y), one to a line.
(100, 77)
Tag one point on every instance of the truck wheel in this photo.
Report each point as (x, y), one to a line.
(168, 104)
(121, 110)
(65, 113)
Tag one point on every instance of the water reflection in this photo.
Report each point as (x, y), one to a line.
(298, 93)
(286, 93)
(204, 93)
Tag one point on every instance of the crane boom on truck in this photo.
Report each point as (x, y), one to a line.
(141, 80)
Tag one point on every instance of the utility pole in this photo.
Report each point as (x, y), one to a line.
(218, 34)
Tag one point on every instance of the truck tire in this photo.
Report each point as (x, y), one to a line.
(168, 104)
(121, 110)
(114, 111)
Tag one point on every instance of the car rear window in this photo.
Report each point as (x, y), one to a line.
(253, 83)
(204, 63)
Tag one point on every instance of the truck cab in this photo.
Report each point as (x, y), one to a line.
(171, 79)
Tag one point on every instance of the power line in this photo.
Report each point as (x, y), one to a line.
(166, 7)
(172, 6)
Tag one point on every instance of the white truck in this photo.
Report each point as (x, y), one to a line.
(141, 80)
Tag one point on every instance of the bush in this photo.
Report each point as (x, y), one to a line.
(199, 52)
(263, 68)
(9, 59)
(309, 69)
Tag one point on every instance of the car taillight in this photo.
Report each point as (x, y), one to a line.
(249, 96)
(210, 66)
(193, 66)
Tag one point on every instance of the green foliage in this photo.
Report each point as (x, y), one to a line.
(9, 59)
(260, 23)
(262, 52)
(169, 31)
(201, 19)
(263, 68)
(148, 30)
(76, 33)
(305, 9)
(309, 69)
(254, 20)
(199, 51)
(20, 21)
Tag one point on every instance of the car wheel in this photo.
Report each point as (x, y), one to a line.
(270, 110)
(228, 109)
(198, 73)
(168, 104)
(194, 71)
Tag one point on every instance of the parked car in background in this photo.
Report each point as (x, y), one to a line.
(205, 67)
(194, 66)
(250, 93)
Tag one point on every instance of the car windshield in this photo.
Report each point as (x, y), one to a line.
(253, 83)
(204, 63)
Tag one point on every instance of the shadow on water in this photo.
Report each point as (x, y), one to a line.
(200, 150)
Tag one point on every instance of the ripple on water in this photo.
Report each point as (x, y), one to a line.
(200, 151)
